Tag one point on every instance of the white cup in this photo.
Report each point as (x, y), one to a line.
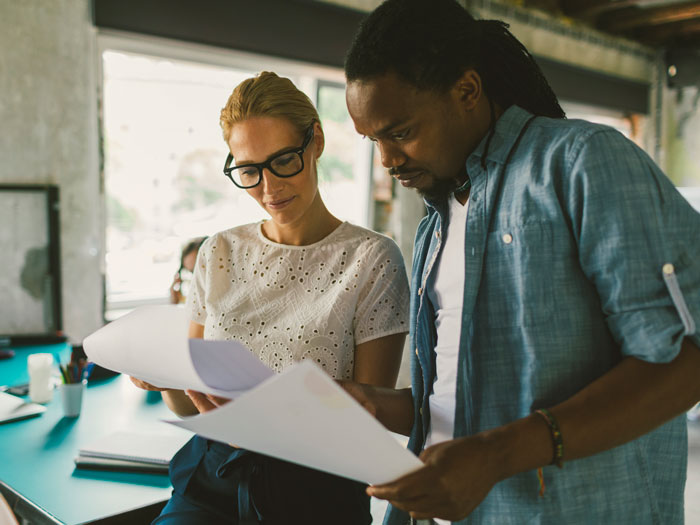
(40, 384)
(72, 397)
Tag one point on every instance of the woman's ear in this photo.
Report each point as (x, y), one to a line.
(468, 89)
(319, 139)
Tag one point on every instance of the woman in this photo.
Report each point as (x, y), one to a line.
(302, 285)
(188, 257)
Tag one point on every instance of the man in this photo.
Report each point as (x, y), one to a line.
(555, 289)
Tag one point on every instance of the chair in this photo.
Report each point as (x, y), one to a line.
(7, 517)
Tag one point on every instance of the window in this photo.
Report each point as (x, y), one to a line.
(629, 124)
(632, 126)
(164, 154)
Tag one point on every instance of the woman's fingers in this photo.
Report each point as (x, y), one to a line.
(201, 401)
(146, 386)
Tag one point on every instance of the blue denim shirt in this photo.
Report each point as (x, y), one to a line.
(578, 252)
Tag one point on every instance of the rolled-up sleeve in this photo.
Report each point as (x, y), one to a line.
(639, 243)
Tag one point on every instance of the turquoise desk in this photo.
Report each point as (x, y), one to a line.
(37, 474)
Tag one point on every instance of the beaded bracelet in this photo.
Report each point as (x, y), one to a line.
(557, 440)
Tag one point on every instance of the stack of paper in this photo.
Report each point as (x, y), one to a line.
(13, 408)
(301, 415)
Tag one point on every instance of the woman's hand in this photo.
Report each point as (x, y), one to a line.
(175, 290)
(146, 386)
(205, 402)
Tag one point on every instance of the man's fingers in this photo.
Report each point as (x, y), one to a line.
(369, 407)
(357, 391)
(407, 488)
(425, 507)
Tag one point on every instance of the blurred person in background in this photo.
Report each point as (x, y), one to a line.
(188, 258)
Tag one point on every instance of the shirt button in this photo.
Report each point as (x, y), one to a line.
(416, 351)
(420, 291)
(420, 411)
(507, 238)
(668, 269)
(437, 234)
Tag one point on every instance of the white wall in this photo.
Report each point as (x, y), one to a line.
(48, 114)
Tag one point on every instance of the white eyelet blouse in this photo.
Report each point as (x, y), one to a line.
(290, 303)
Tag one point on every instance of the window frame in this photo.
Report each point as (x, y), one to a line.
(309, 77)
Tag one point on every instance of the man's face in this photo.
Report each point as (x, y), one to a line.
(424, 137)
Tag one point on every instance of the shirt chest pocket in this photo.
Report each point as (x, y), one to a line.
(519, 270)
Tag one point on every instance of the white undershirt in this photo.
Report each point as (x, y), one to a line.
(446, 293)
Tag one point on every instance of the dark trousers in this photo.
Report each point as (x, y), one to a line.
(215, 484)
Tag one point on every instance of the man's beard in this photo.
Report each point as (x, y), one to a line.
(439, 189)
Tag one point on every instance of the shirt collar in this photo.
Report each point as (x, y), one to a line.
(508, 128)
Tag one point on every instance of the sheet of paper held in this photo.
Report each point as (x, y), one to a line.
(303, 416)
(151, 344)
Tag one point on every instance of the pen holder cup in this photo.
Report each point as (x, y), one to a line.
(72, 397)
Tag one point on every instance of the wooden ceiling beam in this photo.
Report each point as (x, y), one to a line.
(667, 32)
(650, 17)
(591, 8)
(550, 6)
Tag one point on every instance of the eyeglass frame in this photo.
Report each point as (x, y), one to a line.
(260, 166)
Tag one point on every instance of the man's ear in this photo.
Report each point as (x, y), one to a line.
(468, 89)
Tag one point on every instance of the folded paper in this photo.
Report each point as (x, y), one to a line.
(303, 416)
(151, 344)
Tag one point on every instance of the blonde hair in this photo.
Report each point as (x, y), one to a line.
(268, 95)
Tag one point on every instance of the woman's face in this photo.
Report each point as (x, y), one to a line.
(256, 140)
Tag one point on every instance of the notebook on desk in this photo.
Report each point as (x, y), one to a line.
(123, 465)
(13, 408)
(132, 451)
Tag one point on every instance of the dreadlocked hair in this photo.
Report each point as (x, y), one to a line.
(431, 43)
(510, 74)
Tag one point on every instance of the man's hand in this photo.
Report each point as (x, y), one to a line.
(146, 386)
(205, 402)
(392, 408)
(457, 476)
(362, 394)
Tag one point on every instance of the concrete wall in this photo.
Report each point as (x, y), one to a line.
(48, 114)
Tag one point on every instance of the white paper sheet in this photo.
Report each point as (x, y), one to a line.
(151, 344)
(305, 417)
(13, 408)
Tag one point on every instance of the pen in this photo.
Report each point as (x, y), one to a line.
(88, 370)
(64, 374)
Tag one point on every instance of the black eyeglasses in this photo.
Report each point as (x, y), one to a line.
(285, 164)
